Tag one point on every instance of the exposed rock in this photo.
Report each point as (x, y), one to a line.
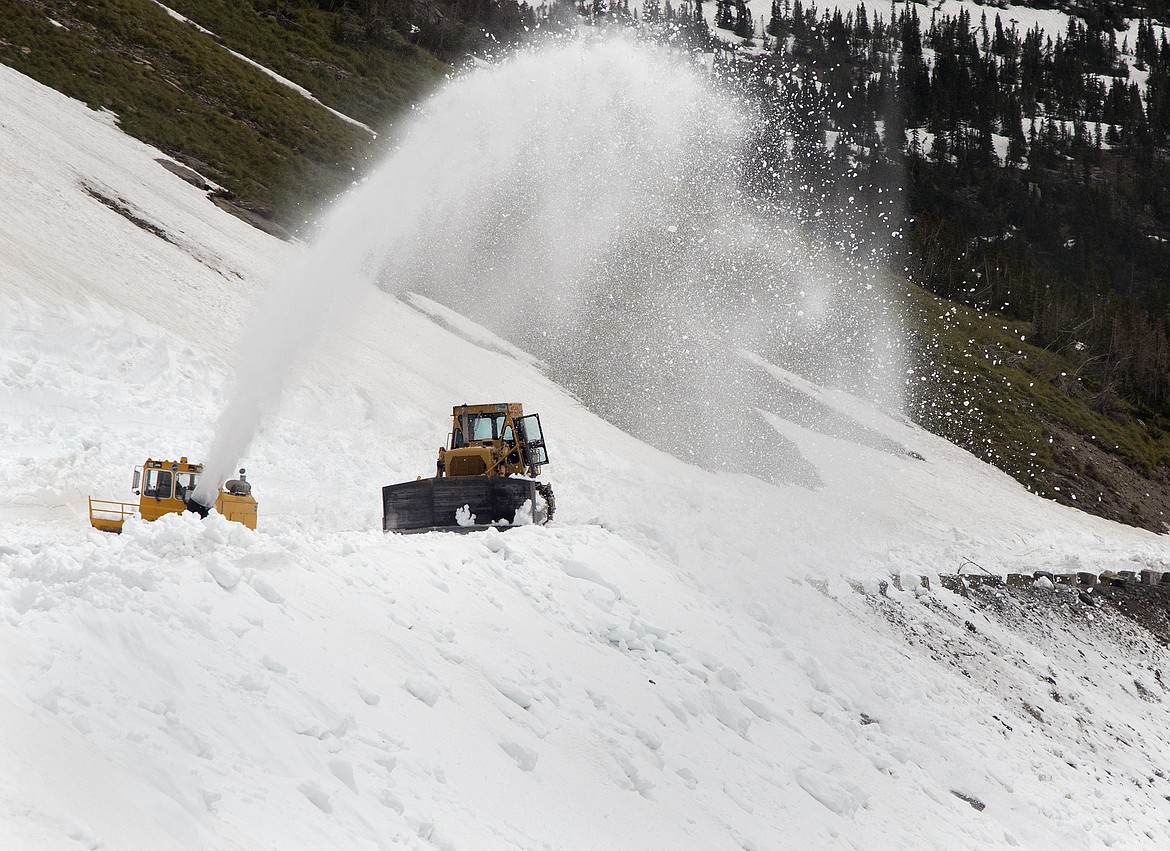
(186, 174)
(257, 215)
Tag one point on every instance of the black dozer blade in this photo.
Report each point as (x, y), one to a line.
(425, 505)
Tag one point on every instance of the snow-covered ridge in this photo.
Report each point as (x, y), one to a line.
(1052, 22)
(677, 662)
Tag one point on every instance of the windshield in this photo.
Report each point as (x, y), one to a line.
(485, 426)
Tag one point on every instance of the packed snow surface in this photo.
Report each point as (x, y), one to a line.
(677, 661)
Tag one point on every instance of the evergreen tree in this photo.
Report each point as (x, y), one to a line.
(724, 14)
(744, 26)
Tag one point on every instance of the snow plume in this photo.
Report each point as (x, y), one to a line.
(585, 202)
(315, 287)
(594, 213)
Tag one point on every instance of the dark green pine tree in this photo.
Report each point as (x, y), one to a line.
(724, 14)
(744, 26)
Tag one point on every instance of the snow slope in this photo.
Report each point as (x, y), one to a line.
(678, 661)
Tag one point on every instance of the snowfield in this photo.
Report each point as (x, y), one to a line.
(680, 660)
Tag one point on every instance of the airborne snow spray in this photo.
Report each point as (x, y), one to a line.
(585, 200)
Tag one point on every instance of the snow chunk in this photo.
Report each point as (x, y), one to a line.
(758, 707)
(634, 778)
(370, 697)
(648, 738)
(523, 516)
(525, 757)
(392, 801)
(426, 690)
(730, 678)
(328, 723)
(24, 597)
(909, 581)
(828, 791)
(253, 682)
(267, 590)
(223, 572)
(317, 795)
(580, 570)
(513, 692)
(708, 660)
(730, 714)
(817, 675)
(343, 771)
(464, 517)
(81, 832)
(48, 700)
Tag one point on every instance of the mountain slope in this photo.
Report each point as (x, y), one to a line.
(679, 661)
(275, 104)
(182, 88)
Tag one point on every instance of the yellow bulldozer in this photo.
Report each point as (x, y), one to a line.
(167, 487)
(485, 477)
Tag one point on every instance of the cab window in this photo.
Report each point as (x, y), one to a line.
(158, 484)
(530, 428)
(185, 484)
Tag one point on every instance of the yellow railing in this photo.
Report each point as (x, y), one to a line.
(109, 515)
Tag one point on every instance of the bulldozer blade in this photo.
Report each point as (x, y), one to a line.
(428, 505)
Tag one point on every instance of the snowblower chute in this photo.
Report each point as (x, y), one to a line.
(484, 476)
(166, 487)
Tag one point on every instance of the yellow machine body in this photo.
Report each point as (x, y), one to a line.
(165, 487)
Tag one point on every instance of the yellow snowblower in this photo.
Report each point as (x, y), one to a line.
(166, 487)
(484, 476)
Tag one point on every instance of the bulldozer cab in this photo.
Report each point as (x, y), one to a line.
(480, 427)
(493, 440)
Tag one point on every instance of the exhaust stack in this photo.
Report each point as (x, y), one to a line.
(240, 486)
